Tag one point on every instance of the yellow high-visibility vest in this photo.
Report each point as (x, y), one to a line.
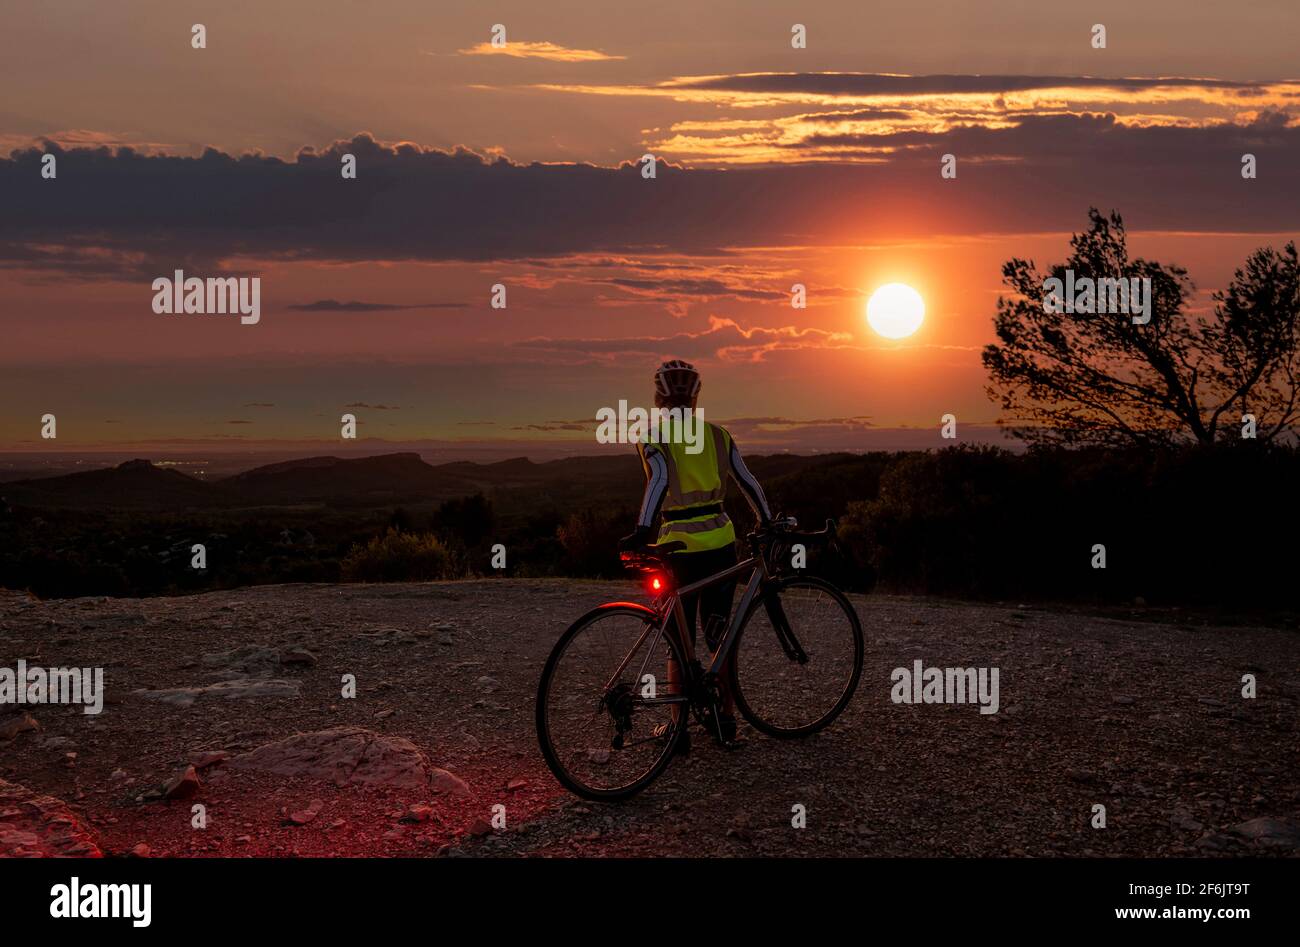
(695, 480)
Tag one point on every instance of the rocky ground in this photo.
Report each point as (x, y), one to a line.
(233, 701)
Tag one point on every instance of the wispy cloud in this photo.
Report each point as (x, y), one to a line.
(333, 305)
(724, 339)
(890, 107)
(539, 50)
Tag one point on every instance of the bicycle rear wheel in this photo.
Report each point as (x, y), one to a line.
(603, 695)
(792, 695)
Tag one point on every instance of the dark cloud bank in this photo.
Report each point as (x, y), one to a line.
(119, 213)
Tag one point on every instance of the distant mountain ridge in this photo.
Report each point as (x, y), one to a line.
(401, 477)
(135, 484)
(388, 480)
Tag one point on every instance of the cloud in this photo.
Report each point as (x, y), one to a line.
(85, 137)
(867, 83)
(556, 426)
(724, 339)
(119, 214)
(904, 92)
(333, 305)
(538, 50)
(858, 115)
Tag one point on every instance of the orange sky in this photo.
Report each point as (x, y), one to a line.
(817, 166)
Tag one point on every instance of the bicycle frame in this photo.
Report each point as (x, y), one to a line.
(670, 605)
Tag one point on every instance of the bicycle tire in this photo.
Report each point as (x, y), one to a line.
(755, 719)
(561, 773)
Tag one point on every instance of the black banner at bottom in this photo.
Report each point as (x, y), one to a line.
(335, 896)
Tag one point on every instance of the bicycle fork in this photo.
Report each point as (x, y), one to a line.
(781, 625)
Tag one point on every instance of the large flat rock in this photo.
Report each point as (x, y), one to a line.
(344, 756)
(36, 826)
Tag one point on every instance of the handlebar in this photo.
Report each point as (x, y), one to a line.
(784, 528)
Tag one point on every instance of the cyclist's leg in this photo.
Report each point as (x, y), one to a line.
(715, 611)
(712, 604)
(684, 573)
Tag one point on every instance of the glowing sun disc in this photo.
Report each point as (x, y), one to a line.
(895, 310)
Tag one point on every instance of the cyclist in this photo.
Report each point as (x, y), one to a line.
(685, 491)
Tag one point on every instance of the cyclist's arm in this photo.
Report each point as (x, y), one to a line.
(749, 486)
(656, 485)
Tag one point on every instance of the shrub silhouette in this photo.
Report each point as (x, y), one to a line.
(400, 557)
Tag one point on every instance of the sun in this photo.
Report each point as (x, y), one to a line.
(895, 310)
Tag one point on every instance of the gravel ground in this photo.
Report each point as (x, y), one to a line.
(1146, 719)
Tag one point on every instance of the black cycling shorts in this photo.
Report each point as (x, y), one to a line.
(712, 604)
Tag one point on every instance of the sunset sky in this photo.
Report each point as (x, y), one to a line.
(516, 166)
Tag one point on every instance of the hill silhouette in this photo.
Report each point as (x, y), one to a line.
(361, 480)
(133, 485)
(383, 479)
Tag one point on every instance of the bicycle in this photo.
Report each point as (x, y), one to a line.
(608, 723)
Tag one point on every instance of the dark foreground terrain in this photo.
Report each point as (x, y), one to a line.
(1146, 719)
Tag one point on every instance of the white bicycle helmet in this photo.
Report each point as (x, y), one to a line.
(677, 381)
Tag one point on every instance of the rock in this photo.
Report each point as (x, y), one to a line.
(445, 781)
(489, 684)
(303, 816)
(1217, 842)
(516, 784)
(202, 759)
(16, 725)
(37, 826)
(141, 850)
(480, 827)
(1122, 700)
(417, 813)
(184, 785)
(238, 688)
(599, 756)
(1274, 834)
(1182, 819)
(342, 755)
(250, 659)
(300, 657)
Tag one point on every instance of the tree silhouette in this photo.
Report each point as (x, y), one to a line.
(1186, 376)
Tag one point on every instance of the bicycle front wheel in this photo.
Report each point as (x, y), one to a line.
(608, 720)
(798, 657)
